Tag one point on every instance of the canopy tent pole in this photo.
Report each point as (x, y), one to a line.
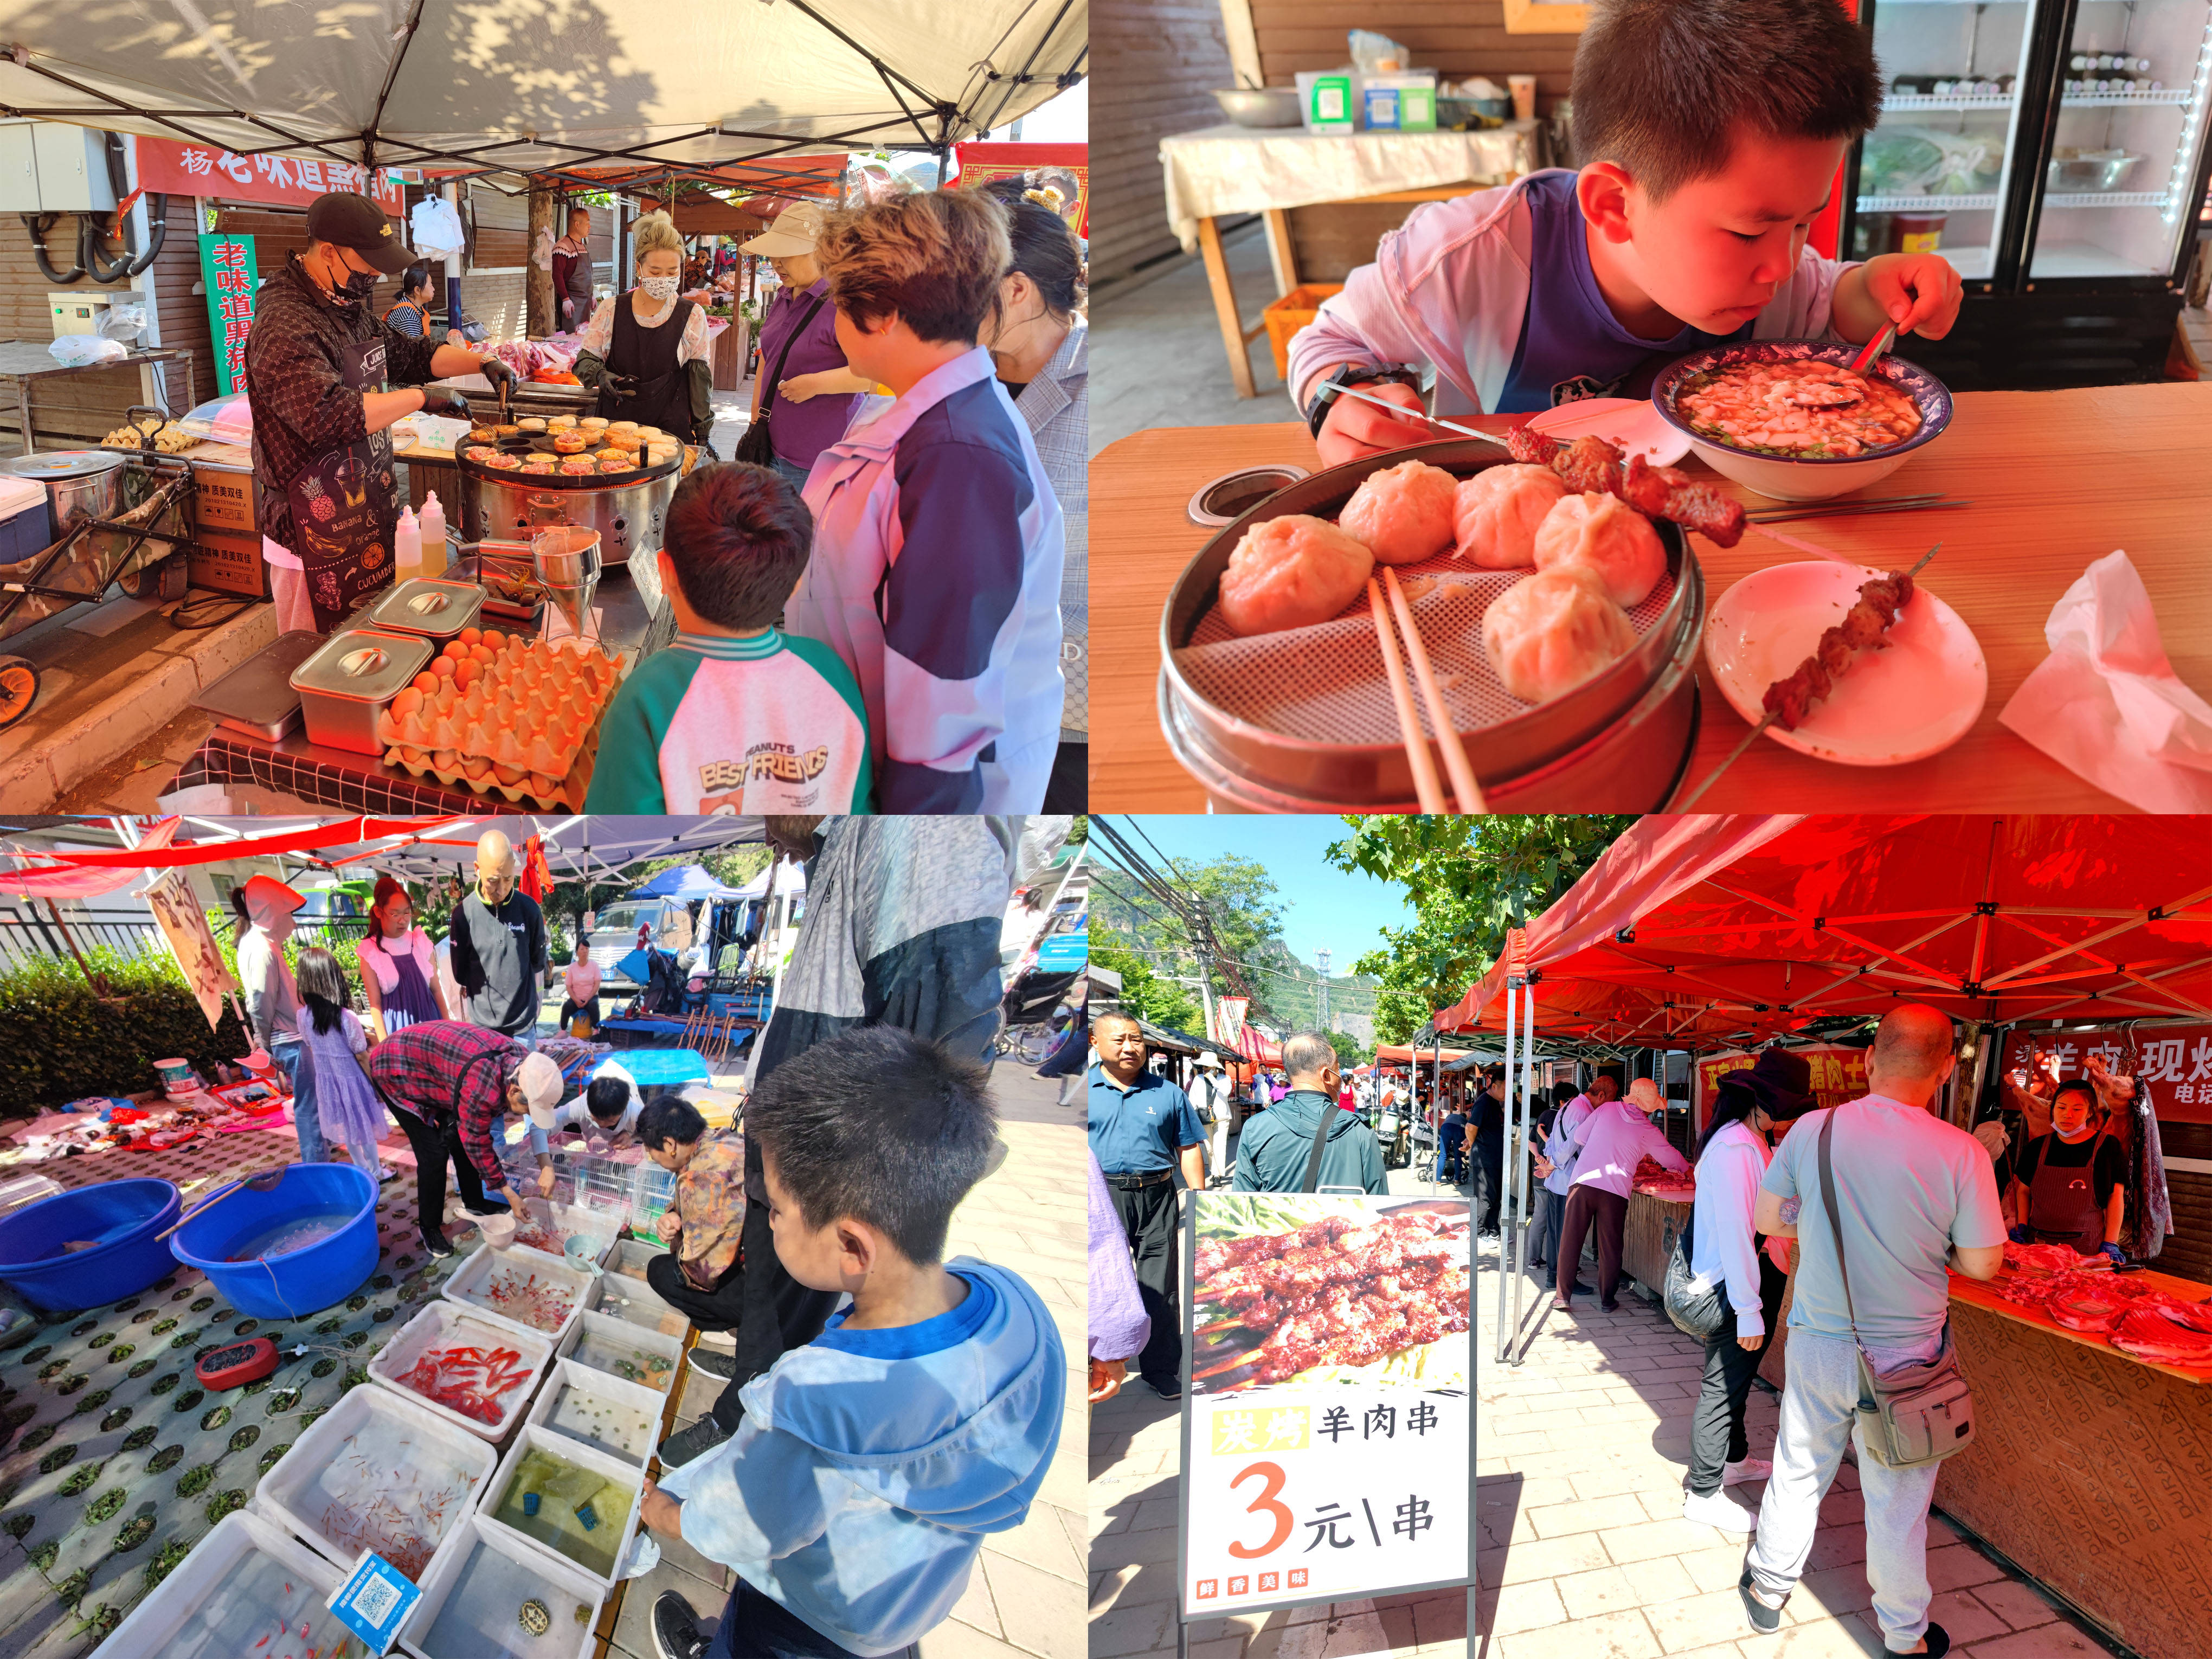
(1519, 1143)
(1505, 1332)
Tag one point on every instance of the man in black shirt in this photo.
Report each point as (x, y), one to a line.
(500, 959)
(1490, 1148)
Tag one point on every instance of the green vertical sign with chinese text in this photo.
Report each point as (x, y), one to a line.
(230, 277)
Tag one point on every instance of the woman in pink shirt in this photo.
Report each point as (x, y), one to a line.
(582, 981)
(1614, 1138)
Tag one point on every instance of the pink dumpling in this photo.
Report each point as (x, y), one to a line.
(1292, 572)
(1609, 537)
(1403, 513)
(1496, 514)
(1548, 632)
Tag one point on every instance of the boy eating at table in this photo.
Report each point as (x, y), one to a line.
(1710, 132)
(736, 715)
(872, 1461)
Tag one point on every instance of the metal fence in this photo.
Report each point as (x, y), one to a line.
(28, 935)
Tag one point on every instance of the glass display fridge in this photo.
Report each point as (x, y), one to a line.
(2055, 152)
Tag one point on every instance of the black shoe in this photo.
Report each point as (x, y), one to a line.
(686, 1444)
(1765, 1619)
(487, 1207)
(676, 1632)
(1939, 1641)
(435, 1242)
(713, 1362)
(1168, 1389)
(1610, 1307)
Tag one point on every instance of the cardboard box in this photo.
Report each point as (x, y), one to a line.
(1328, 101)
(225, 499)
(1405, 102)
(228, 563)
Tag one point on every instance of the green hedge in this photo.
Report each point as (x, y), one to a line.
(60, 1041)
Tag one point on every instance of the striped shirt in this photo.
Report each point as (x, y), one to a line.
(757, 723)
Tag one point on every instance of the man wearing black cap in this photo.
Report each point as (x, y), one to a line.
(318, 361)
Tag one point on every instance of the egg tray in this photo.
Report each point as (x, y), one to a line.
(568, 792)
(408, 747)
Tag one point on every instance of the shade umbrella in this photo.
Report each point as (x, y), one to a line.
(538, 86)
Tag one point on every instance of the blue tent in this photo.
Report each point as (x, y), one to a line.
(684, 883)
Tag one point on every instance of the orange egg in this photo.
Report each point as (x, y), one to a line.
(454, 648)
(509, 776)
(468, 673)
(425, 681)
(471, 635)
(445, 668)
(495, 638)
(407, 702)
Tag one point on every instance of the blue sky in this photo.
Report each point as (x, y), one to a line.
(1322, 904)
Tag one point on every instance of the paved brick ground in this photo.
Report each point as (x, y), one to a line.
(1581, 1452)
(1026, 1596)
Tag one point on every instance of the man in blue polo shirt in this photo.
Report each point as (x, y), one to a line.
(1143, 1128)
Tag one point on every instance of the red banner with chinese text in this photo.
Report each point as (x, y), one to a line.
(1839, 1075)
(981, 163)
(185, 169)
(2176, 1062)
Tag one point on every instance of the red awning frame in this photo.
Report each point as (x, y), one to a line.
(1699, 933)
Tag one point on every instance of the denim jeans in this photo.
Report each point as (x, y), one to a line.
(757, 1627)
(299, 1068)
(795, 475)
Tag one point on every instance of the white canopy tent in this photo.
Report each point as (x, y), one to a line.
(536, 87)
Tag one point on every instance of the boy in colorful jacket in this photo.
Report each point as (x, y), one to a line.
(1710, 132)
(872, 1464)
(735, 716)
(937, 540)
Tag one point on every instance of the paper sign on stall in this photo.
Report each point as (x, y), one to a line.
(1327, 1413)
(185, 926)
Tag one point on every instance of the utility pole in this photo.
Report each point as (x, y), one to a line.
(1321, 1007)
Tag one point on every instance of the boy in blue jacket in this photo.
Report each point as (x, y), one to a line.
(870, 1462)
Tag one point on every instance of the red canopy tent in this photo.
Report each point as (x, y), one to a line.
(1258, 1049)
(1699, 933)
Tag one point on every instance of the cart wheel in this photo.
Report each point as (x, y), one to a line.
(18, 689)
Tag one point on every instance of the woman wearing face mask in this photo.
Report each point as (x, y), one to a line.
(646, 351)
(811, 399)
(1039, 341)
(398, 972)
(2069, 1185)
(321, 362)
(1739, 1284)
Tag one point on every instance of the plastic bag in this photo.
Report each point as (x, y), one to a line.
(1377, 54)
(77, 350)
(124, 322)
(435, 229)
(1921, 161)
(870, 184)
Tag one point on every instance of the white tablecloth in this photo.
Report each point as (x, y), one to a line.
(1232, 169)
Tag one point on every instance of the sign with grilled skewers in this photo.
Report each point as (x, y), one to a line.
(1327, 1399)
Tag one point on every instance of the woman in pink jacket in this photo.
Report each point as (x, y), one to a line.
(398, 971)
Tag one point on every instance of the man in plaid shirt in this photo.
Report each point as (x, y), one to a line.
(450, 1084)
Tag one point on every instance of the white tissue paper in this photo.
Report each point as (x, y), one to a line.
(2106, 703)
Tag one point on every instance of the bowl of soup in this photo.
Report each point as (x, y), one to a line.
(1789, 419)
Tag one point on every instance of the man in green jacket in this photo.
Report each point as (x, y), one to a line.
(1277, 1145)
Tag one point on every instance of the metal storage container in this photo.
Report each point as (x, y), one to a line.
(347, 684)
(436, 610)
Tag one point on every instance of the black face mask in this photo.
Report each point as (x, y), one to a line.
(359, 285)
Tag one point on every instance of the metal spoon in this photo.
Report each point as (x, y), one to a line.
(1403, 413)
(1873, 348)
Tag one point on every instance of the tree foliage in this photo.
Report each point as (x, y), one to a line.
(1350, 1050)
(1144, 993)
(1469, 879)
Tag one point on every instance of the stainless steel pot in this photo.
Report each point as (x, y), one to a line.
(1617, 742)
(80, 483)
(629, 516)
(1265, 107)
(344, 686)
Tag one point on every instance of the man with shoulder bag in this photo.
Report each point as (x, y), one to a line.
(1892, 1195)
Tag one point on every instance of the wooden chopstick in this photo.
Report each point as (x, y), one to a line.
(1425, 786)
(1789, 509)
(1455, 762)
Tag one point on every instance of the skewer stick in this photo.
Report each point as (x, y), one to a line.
(1768, 719)
(1455, 762)
(1409, 725)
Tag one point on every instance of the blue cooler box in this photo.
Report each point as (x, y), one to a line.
(26, 524)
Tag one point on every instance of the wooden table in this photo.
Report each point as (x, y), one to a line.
(2058, 479)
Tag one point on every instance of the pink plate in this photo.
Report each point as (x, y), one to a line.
(1633, 423)
(1913, 700)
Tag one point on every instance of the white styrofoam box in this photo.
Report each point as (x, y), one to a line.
(529, 1439)
(188, 1614)
(470, 1280)
(631, 1412)
(505, 1574)
(636, 1303)
(449, 1324)
(292, 1494)
(621, 1333)
(564, 1221)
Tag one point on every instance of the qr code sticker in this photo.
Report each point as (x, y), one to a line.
(375, 1599)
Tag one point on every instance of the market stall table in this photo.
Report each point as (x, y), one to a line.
(1655, 1221)
(1223, 172)
(24, 361)
(2057, 479)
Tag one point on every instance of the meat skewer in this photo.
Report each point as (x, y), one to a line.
(1864, 625)
(1660, 492)
(1303, 1345)
(1352, 1258)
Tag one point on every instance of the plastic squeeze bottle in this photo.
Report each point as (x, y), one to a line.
(406, 548)
(435, 556)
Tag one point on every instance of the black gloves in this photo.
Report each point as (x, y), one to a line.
(441, 400)
(497, 373)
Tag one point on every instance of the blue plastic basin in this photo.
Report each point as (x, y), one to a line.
(302, 1281)
(118, 1218)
